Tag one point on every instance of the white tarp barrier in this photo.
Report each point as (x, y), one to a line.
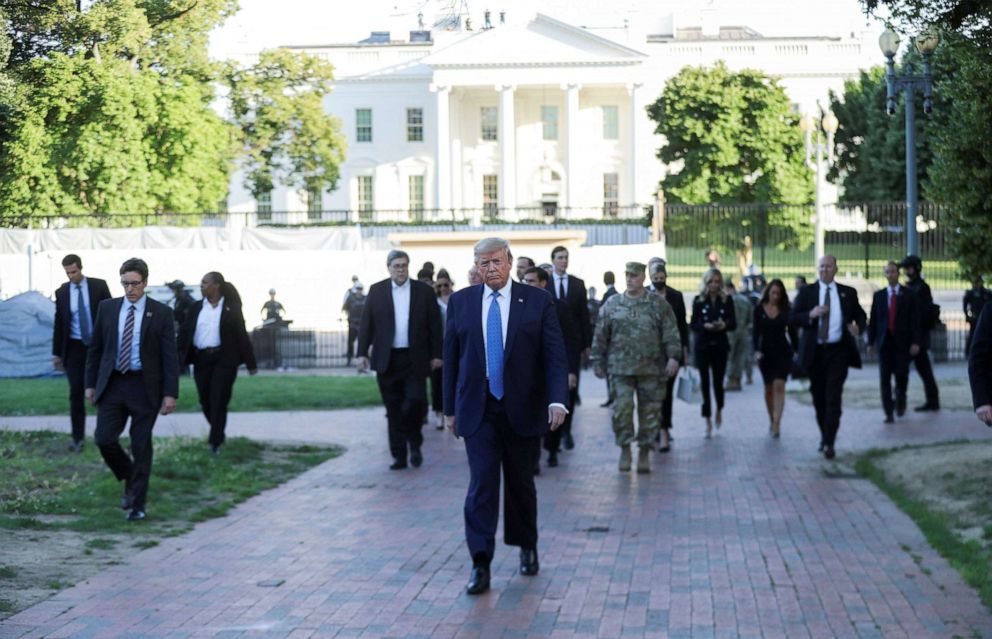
(302, 239)
(26, 325)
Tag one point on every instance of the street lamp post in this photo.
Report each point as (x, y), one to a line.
(815, 148)
(908, 83)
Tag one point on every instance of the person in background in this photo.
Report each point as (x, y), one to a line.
(182, 302)
(609, 280)
(659, 285)
(353, 307)
(523, 263)
(76, 303)
(354, 286)
(894, 332)
(474, 276)
(929, 315)
(773, 340)
(443, 287)
(799, 283)
(428, 270)
(975, 300)
(213, 339)
(740, 338)
(712, 318)
(980, 367)
(573, 290)
(272, 310)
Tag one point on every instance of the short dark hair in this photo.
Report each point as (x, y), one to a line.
(424, 272)
(530, 262)
(801, 278)
(556, 250)
(72, 258)
(609, 278)
(542, 275)
(135, 265)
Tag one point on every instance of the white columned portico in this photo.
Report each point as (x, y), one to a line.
(442, 168)
(636, 110)
(507, 152)
(571, 146)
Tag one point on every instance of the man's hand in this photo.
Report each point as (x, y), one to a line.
(671, 368)
(362, 364)
(984, 413)
(168, 405)
(914, 349)
(57, 363)
(450, 421)
(573, 381)
(599, 372)
(556, 416)
(436, 364)
(853, 329)
(758, 355)
(818, 311)
(90, 394)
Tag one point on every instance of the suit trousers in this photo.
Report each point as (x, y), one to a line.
(437, 384)
(124, 397)
(925, 369)
(214, 384)
(826, 384)
(666, 405)
(712, 363)
(352, 336)
(404, 394)
(495, 446)
(892, 363)
(75, 371)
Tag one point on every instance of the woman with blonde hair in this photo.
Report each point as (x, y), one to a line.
(712, 316)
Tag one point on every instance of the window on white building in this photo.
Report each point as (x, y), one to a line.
(414, 125)
(366, 197)
(363, 125)
(263, 206)
(490, 196)
(611, 122)
(490, 125)
(611, 194)
(415, 188)
(549, 122)
(314, 201)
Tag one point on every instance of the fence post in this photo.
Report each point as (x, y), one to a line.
(658, 220)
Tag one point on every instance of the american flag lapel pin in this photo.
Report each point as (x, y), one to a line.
(148, 313)
(520, 299)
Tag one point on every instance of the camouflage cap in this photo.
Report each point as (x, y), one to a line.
(635, 268)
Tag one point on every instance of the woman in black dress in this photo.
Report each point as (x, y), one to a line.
(712, 317)
(773, 340)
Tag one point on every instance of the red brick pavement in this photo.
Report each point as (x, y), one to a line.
(739, 536)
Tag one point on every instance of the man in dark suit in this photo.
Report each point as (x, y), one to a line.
(831, 319)
(401, 322)
(132, 370)
(980, 366)
(573, 290)
(505, 385)
(659, 285)
(539, 278)
(929, 313)
(76, 303)
(894, 331)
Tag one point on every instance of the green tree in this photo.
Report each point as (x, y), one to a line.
(731, 137)
(285, 135)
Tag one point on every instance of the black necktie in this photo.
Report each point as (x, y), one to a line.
(824, 328)
(561, 288)
(84, 316)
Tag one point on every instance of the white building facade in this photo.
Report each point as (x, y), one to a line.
(524, 121)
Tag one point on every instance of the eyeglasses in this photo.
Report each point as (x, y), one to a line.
(135, 284)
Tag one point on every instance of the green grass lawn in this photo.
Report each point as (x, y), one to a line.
(44, 488)
(50, 396)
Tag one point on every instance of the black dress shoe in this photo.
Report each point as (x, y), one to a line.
(927, 407)
(552, 459)
(569, 442)
(606, 404)
(901, 408)
(76, 446)
(416, 458)
(889, 419)
(397, 465)
(829, 452)
(136, 514)
(478, 581)
(214, 450)
(528, 562)
(126, 499)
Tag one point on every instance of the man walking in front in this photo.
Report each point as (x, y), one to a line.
(76, 303)
(132, 370)
(505, 385)
(401, 323)
(894, 332)
(831, 319)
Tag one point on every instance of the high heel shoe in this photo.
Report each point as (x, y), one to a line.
(776, 430)
(709, 428)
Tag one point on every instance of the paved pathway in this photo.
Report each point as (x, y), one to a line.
(740, 536)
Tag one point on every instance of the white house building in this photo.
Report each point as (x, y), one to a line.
(524, 119)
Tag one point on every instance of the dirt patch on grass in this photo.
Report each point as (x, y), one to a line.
(955, 394)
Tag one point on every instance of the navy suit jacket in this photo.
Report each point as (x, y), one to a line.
(535, 368)
(807, 299)
(908, 327)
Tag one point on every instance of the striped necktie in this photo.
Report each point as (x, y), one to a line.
(124, 355)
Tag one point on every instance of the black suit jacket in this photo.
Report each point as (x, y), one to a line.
(908, 328)
(924, 305)
(677, 302)
(980, 359)
(578, 303)
(235, 347)
(806, 300)
(98, 292)
(704, 312)
(378, 326)
(571, 334)
(159, 360)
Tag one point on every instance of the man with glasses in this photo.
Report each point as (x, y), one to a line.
(132, 370)
(76, 302)
(401, 323)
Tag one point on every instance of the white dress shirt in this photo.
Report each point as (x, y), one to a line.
(836, 328)
(401, 314)
(207, 333)
(504, 315)
(75, 331)
(139, 314)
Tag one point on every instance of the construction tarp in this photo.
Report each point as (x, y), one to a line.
(26, 324)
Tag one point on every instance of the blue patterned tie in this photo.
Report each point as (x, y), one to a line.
(494, 347)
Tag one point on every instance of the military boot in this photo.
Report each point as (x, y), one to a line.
(644, 459)
(625, 459)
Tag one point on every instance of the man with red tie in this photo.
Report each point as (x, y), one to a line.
(894, 332)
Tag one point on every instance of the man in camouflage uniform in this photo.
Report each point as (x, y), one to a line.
(740, 339)
(637, 344)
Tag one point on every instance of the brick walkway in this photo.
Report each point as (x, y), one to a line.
(740, 536)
